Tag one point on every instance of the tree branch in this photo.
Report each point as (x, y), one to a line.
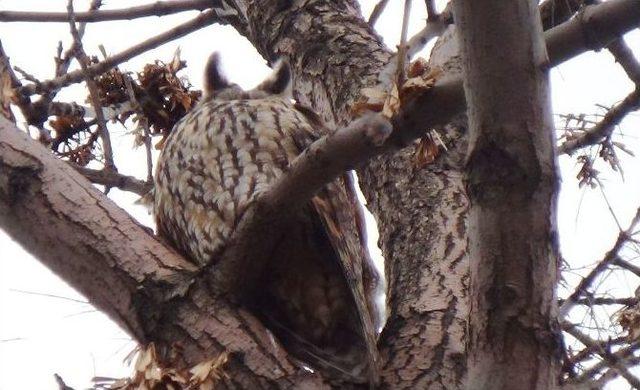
(141, 283)
(611, 359)
(113, 179)
(625, 57)
(159, 8)
(594, 28)
(204, 19)
(608, 259)
(605, 127)
(83, 59)
(377, 11)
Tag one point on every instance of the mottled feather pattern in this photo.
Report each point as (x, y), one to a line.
(218, 160)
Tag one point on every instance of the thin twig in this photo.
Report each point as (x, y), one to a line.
(609, 258)
(591, 301)
(402, 47)
(605, 127)
(628, 266)
(159, 8)
(115, 180)
(613, 360)
(63, 61)
(145, 125)
(590, 350)
(204, 19)
(83, 59)
(377, 11)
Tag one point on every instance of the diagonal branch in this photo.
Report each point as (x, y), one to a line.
(204, 19)
(608, 259)
(140, 282)
(625, 57)
(83, 59)
(113, 179)
(613, 360)
(605, 127)
(159, 8)
(377, 11)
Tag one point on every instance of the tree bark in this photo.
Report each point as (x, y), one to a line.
(141, 283)
(512, 184)
(421, 213)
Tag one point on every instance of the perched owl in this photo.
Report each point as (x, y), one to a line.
(316, 292)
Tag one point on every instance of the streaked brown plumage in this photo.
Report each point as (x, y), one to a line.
(316, 293)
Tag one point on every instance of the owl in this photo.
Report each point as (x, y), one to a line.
(316, 292)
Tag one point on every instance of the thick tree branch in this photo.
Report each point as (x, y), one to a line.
(151, 291)
(159, 8)
(594, 28)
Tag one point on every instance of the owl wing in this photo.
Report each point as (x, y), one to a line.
(337, 207)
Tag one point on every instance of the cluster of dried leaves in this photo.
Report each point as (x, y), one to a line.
(629, 320)
(574, 127)
(420, 78)
(154, 99)
(150, 374)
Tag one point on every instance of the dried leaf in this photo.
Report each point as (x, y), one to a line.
(391, 103)
(426, 152)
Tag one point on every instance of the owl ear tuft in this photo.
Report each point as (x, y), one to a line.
(279, 82)
(214, 80)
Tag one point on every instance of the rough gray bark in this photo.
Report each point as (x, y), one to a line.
(512, 185)
(151, 291)
(421, 214)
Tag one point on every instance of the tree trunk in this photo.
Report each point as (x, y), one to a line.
(512, 185)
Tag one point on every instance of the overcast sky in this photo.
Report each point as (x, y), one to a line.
(46, 327)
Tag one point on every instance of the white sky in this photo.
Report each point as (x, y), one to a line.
(41, 335)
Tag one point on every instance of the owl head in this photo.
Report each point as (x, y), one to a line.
(216, 85)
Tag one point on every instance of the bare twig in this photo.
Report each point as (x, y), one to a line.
(605, 127)
(590, 350)
(83, 59)
(145, 125)
(26, 75)
(628, 266)
(555, 12)
(613, 360)
(60, 382)
(63, 61)
(608, 259)
(402, 47)
(114, 179)
(591, 301)
(377, 11)
(204, 19)
(158, 8)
